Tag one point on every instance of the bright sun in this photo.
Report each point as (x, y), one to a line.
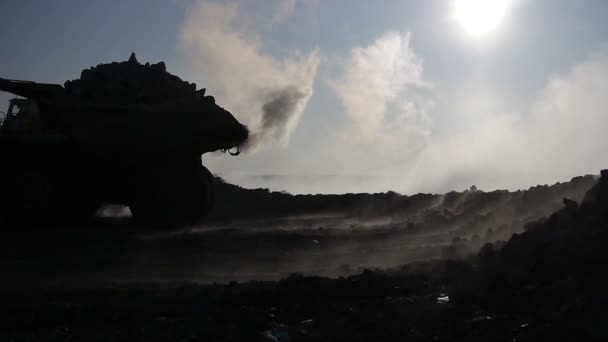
(479, 17)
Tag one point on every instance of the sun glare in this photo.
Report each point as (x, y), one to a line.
(479, 17)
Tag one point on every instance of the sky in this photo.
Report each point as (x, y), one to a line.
(410, 96)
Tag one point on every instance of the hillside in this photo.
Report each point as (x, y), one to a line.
(547, 283)
(235, 202)
(471, 216)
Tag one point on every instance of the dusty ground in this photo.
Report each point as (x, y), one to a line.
(116, 252)
(113, 284)
(427, 302)
(232, 282)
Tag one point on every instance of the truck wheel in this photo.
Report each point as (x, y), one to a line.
(166, 198)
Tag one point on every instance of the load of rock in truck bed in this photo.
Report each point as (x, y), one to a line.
(132, 83)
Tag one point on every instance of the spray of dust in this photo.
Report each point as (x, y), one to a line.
(277, 112)
(267, 93)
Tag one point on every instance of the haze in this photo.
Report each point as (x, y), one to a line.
(364, 97)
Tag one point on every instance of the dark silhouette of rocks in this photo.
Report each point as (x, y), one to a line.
(263, 203)
(123, 133)
(133, 59)
(547, 283)
(491, 215)
(133, 83)
(569, 242)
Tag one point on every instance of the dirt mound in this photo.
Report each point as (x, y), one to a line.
(131, 82)
(569, 243)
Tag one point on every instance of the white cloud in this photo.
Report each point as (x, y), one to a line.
(388, 118)
(285, 9)
(561, 135)
(568, 121)
(387, 124)
(267, 93)
(374, 77)
(388, 134)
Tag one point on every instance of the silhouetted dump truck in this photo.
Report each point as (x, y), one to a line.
(123, 133)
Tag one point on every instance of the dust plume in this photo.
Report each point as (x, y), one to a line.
(267, 93)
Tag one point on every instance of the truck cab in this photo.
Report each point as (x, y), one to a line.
(23, 116)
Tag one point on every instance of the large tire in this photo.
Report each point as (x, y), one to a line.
(172, 197)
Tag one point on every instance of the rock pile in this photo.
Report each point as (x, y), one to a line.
(570, 243)
(131, 82)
